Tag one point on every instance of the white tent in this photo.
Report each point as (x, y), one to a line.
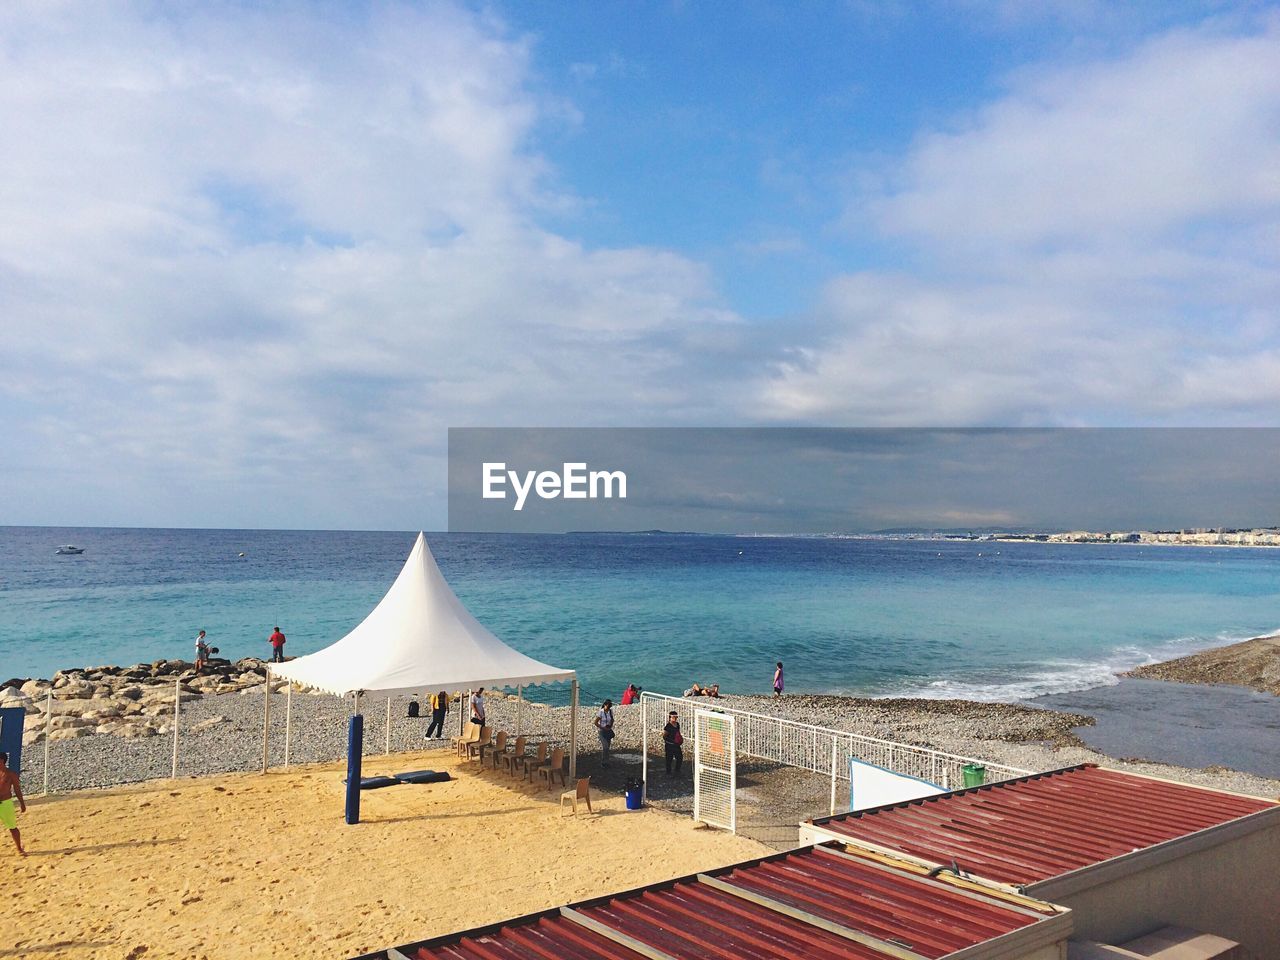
(418, 639)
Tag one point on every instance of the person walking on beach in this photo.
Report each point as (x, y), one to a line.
(277, 646)
(439, 707)
(10, 788)
(202, 651)
(604, 726)
(672, 740)
(477, 707)
(777, 680)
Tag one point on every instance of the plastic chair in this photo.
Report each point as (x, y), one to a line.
(582, 792)
(555, 766)
(476, 748)
(532, 763)
(516, 755)
(495, 749)
(469, 735)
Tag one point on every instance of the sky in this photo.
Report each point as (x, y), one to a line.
(256, 259)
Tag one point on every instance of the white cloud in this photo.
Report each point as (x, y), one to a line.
(262, 252)
(1098, 245)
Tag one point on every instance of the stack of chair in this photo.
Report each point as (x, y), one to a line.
(476, 748)
(469, 735)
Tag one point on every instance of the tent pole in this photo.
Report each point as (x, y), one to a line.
(519, 709)
(48, 729)
(388, 726)
(573, 732)
(288, 718)
(177, 699)
(463, 711)
(644, 750)
(266, 717)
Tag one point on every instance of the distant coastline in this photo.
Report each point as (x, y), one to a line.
(1200, 537)
(1193, 537)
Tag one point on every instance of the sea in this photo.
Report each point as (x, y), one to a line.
(927, 618)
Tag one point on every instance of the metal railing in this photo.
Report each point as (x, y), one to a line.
(822, 750)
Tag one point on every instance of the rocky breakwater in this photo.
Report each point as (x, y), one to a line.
(128, 702)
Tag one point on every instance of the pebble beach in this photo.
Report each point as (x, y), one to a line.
(113, 725)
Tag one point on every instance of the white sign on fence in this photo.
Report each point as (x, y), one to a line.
(874, 786)
(715, 770)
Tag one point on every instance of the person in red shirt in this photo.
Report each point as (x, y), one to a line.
(630, 695)
(277, 646)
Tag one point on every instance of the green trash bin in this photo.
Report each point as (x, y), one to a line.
(975, 775)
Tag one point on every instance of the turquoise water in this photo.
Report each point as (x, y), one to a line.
(983, 620)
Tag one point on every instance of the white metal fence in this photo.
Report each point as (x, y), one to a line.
(821, 750)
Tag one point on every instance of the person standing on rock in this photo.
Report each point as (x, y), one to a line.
(277, 646)
(439, 707)
(202, 652)
(9, 788)
(777, 680)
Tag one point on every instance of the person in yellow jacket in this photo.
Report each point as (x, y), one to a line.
(439, 709)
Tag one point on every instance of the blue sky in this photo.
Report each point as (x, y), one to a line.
(256, 259)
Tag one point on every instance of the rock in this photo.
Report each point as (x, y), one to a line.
(206, 724)
(132, 692)
(67, 723)
(13, 697)
(81, 707)
(35, 689)
(70, 733)
(72, 689)
(135, 730)
(165, 695)
(31, 737)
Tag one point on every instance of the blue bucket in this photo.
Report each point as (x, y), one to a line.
(634, 798)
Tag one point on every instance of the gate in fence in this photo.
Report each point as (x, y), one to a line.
(715, 770)
(821, 750)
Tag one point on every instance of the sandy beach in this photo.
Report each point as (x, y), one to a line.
(246, 865)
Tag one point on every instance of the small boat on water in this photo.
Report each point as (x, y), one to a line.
(70, 549)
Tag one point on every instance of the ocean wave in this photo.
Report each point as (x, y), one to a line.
(1061, 676)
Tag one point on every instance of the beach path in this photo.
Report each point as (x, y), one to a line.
(246, 865)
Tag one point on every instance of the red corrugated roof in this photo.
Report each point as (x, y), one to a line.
(819, 903)
(549, 937)
(1044, 825)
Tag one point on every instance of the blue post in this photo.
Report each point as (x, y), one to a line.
(355, 752)
(12, 720)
